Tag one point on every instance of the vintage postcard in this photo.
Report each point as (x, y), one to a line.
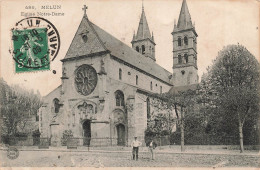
(129, 83)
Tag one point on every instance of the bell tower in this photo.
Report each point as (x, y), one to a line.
(185, 70)
(143, 42)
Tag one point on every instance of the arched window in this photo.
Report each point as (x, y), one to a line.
(143, 49)
(179, 59)
(186, 40)
(137, 49)
(148, 108)
(186, 57)
(151, 86)
(119, 98)
(120, 74)
(56, 104)
(179, 41)
(136, 79)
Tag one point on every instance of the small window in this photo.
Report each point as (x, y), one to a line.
(84, 38)
(143, 49)
(186, 57)
(179, 59)
(137, 49)
(119, 98)
(148, 108)
(151, 86)
(179, 41)
(136, 80)
(160, 89)
(120, 74)
(56, 104)
(185, 40)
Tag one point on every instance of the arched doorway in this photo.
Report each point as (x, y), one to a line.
(86, 132)
(120, 134)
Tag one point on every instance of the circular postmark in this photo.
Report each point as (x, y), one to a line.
(12, 153)
(35, 43)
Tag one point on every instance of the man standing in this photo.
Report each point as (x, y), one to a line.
(152, 145)
(135, 144)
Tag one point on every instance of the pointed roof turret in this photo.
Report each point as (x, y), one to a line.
(143, 31)
(184, 17)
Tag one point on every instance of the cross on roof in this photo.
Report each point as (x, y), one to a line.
(85, 10)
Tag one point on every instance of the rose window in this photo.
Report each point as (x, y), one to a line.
(85, 79)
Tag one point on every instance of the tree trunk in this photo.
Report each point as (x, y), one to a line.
(182, 131)
(240, 127)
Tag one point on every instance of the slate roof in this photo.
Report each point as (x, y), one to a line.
(129, 55)
(92, 45)
(55, 91)
(174, 90)
(143, 31)
(184, 20)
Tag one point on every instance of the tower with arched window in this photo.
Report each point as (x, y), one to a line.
(143, 41)
(185, 70)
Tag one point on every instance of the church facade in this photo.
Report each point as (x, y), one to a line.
(105, 84)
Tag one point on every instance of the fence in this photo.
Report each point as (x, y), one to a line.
(46, 142)
(93, 142)
(21, 141)
(162, 141)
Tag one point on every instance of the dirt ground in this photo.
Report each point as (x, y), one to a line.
(123, 159)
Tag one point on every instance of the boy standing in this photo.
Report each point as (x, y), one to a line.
(152, 145)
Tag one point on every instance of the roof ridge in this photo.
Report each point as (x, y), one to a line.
(128, 49)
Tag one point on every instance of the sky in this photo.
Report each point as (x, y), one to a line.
(217, 22)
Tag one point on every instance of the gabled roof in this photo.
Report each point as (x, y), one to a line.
(184, 20)
(143, 31)
(80, 48)
(99, 41)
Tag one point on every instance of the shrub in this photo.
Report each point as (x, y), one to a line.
(149, 135)
(36, 133)
(65, 136)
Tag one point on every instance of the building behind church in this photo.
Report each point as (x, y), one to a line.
(105, 84)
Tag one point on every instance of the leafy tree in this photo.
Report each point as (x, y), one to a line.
(179, 102)
(17, 106)
(233, 87)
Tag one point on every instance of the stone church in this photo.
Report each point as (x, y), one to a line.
(105, 84)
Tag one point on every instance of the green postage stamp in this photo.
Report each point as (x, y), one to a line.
(36, 43)
(31, 49)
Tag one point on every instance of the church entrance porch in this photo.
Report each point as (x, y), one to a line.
(120, 134)
(86, 132)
